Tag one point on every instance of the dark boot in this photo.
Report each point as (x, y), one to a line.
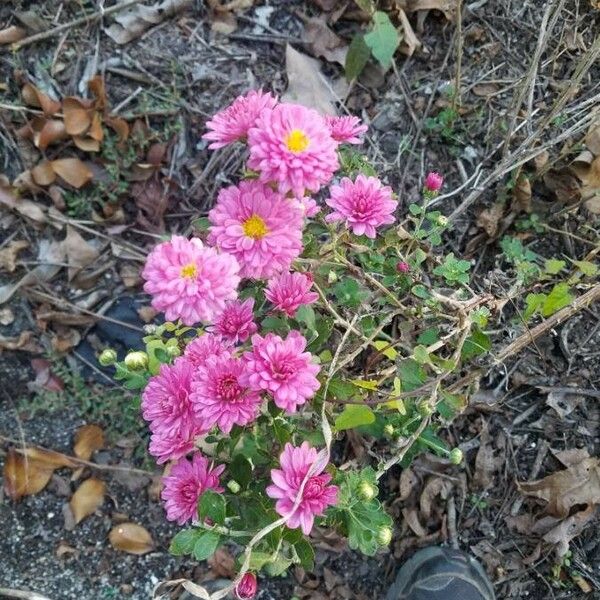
(441, 574)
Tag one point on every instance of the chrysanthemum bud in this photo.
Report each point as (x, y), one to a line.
(442, 221)
(389, 429)
(234, 486)
(402, 267)
(332, 277)
(367, 491)
(136, 361)
(246, 588)
(433, 182)
(107, 357)
(173, 351)
(384, 536)
(456, 456)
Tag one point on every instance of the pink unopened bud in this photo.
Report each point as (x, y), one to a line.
(402, 267)
(433, 182)
(246, 588)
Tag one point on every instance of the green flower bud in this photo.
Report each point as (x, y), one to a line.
(332, 277)
(384, 536)
(367, 491)
(107, 357)
(173, 351)
(136, 361)
(389, 430)
(456, 456)
(234, 486)
(442, 221)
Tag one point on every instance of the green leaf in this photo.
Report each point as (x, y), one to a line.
(201, 224)
(349, 293)
(305, 314)
(428, 337)
(278, 566)
(276, 325)
(589, 269)
(357, 57)
(306, 554)
(533, 302)
(259, 559)
(412, 375)
(415, 209)
(341, 389)
(383, 39)
(183, 542)
(421, 355)
(367, 6)
(212, 505)
(558, 298)
(366, 384)
(206, 544)
(385, 348)
(240, 469)
(552, 266)
(354, 415)
(477, 343)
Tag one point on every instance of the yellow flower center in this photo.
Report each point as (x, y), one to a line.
(189, 271)
(255, 227)
(296, 141)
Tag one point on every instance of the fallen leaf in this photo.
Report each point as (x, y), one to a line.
(306, 84)
(434, 487)
(43, 131)
(571, 527)
(322, 41)
(485, 463)
(152, 200)
(578, 484)
(408, 482)
(222, 563)
(489, 219)
(24, 476)
(73, 171)
(130, 275)
(541, 160)
(12, 34)
(131, 538)
(485, 89)
(44, 378)
(78, 115)
(564, 185)
(571, 456)
(131, 23)
(65, 340)
(522, 195)
(35, 97)
(43, 173)
(79, 253)
(25, 342)
(592, 138)
(87, 144)
(63, 549)
(410, 42)
(412, 520)
(448, 7)
(24, 207)
(51, 254)
(119, 126)
(88, 497)
(88, 439)
(49, 458)
(8, 255)
(563, 403)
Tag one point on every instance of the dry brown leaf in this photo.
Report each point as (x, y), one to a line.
(435, 486)
(571, 527)
(130, 275)
(306, 84)
(51, 254)
(485, 463)
(88, 497)
(412, 520)
(24, 476)
(563, 403)
(35, 97)
(25, 342)
(578, 484)
(571, 456)
(12, 34)
(131, 23)
(79, 253)
(43, 132)
(222, 563)
(44, 377)
(78, 115)
(541, 160)
(448, 7)
(49, 458)
(564, 185)
(408, 482)
(87, 144)
(98, 90)
(485, 90)
(522, 195)
(223, 23)
(119, 126)
(410, 41)
(131, 538)
(96, 132)
(324, 42)
(489, 219)
(88, 439)
(73, 171)
(65, 340)
(43, 173)
(23, 206)
(8, 255)
(592, 139)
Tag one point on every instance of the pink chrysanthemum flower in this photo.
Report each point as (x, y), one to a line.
(346, 130)
(261, 228)
(232, 123)
(218, 396)
(190, 281)
(171, 445)
(363, 204)
(317, 494)
(434, 182)
(289, 291)
(205, 345)
(309, 205)
(165, 400)
(281, 368)
(236, 323)
(185, 484)
(291, 145)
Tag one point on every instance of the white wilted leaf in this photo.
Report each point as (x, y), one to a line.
(131, 538)
(88, 497)
(306, 84)
(131, 23)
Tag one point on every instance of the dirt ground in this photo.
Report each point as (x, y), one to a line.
(172, 79)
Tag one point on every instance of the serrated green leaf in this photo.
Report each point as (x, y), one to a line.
(383, 39)
(420, 291)
(212, 505)
(533, 303)
(357, 57)
(558, 298)
(183, 542)
(589, 269)
(353, 416)
(206, 544)
(552, 266)
(412, 375)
